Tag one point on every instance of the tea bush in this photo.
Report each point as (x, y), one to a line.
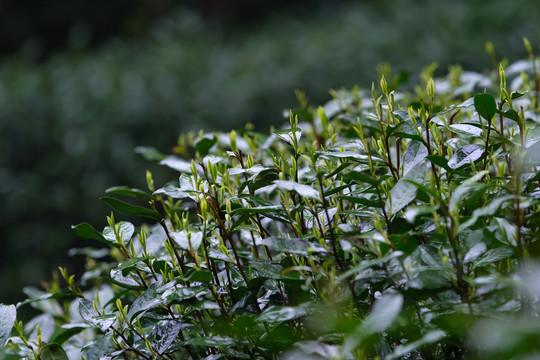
(68, 125)
(384, 224)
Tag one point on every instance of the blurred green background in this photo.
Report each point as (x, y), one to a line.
(82, 83)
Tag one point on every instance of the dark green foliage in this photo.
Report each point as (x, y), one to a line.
(364, 228)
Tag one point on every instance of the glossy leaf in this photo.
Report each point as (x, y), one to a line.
(125, 231)
(124, 207)
(146, 301)
(415, 153)
(288, 136)
(8, 314)
(301, 189)
(404, 192)
(467, 130)
(466, 155)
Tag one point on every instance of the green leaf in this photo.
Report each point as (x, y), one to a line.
(126, 191)
(172, 192)
(147, 300)
(277, 314)
(485, 105)
(294, 246)
(510, 114)
(404, 191)
(440, 161)
(165, 335)
(8, 314)
(125, 230)
(360, 177)
(149, 153)
(87, 231)
(365, 264)
(402, 351)
(415, 153)
(288, 136)
(91, 316)
(301, 189)
(176, 163)
(466, 130)
(466, 155)
(463, 189)
(62, 334)
(489, 210)
(348, 155)
(191, 244)
(202, 146)
(467, 103)
(52, 352)
(126, 208)
(384, 313)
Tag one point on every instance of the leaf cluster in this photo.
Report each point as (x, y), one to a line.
(382, 224)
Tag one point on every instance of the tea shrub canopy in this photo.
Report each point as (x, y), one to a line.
(385, 224)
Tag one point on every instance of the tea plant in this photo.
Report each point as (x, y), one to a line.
(384, 224)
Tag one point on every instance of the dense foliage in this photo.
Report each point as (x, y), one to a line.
(68, 125)
(384, 224)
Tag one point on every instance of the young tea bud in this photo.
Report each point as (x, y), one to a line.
(150, 181)
(232, 136)
(384, 85)
(430, 88)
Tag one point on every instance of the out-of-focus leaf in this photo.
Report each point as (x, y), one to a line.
(384, 313)
(52, 352)
(279, 314)
(62, 334)
(463, 189)
(203, 145)
(177, 164)
(126, 191)
(149, 153)
(402, 350)
(489, 210)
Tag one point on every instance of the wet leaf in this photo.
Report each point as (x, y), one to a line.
(301, 189)
(467, 130)
(415, 153)
(404, 192)
(466, 155)
(8, 314)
